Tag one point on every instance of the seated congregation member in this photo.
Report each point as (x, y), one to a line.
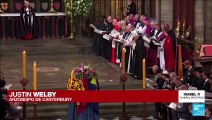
(176, 86)
(159, 79)
(177, 81)
(207, 83)
(189, 72)
(208, 112)
(97, 45)
(197, 81)
(27, 16)
(173, 75)
(5, 106)
(154, 69)
(183, 110)
(168, 49)
(167, 80)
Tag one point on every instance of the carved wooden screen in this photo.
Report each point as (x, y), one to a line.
(185, 11)
(115, 8)
(14, 6)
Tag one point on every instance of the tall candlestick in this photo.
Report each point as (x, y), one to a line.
(123, 61)
(34, 76)
(177, 31)
(144, 73)
(178, 22)
(183, 35)
(71, 17)
(184, 23)
(180, 65)
(24, 64)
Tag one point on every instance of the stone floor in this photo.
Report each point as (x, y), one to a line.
(55, 59)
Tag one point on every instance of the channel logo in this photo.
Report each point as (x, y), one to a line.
(198, 109)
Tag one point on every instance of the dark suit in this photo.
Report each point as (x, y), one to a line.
(199, 83)
(188, 76)
(158, 106)
(131, 9)
(5, 106)
(184, 112)
(206, 86)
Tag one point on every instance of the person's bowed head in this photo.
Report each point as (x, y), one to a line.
(26, 4)
(208, 112)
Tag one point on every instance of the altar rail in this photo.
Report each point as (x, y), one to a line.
(46, 25)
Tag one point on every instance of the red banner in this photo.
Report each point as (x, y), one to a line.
(92, 96)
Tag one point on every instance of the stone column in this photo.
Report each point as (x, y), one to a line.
(147, 7)
(158, 10)
(167, 12)
(199, 21)
(208, 22)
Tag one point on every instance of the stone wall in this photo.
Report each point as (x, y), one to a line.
(199, 21)
(167, 12)
(208, 22)
(203, 18)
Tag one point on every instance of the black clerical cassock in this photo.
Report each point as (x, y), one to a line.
(131, 8)
(140, 53)
(27, 22)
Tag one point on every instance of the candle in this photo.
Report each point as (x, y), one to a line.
(71, 4)
(123, 61)
(34, 76)
(178, 22)
(144, 73)
(24, 64)
(184, 23)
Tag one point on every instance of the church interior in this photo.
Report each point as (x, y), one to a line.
(115, 38)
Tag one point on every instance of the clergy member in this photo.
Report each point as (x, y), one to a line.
(131, 8)
(115, 32)
(97, 45)
(129, 44)
(109, 26)
(27, 19)
(140, 51)
(137, 21)
(168, 49)
(157, 36)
